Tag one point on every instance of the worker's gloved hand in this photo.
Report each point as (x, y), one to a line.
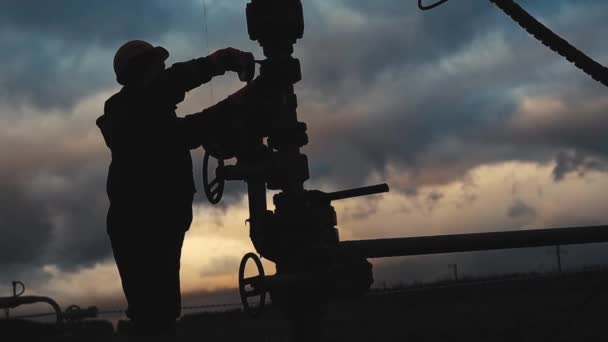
(230, 59)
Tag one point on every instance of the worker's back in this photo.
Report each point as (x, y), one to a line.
(151, 164)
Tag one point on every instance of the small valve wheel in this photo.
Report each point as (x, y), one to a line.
(71, 313)
(253, 286)
(75, 313)
(18, 284)
(214, 189)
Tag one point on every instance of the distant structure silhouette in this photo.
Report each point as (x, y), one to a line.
(558, 251)
(454, 268)
(150, 181)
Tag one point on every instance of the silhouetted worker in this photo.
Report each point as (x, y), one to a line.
(150, 183)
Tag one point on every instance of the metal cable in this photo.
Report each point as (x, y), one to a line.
(546, 36)
(206, 36)
(553, 41)
(430, 7)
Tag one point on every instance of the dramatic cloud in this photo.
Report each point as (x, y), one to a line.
(572, 161)
(475, 125)
(57, 52)
(436, 113)
(520, 209)
(53, 203)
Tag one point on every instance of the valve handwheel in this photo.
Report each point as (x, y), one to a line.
(256, 284)
(17, 284)
(214, 189)
(71, 313)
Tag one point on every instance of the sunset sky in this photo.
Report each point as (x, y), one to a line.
(473, 123)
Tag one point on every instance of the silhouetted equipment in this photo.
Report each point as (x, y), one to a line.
(214, 189)
(16, 293)
(421, 245)
(75, 313)
(252, 286)
(383, 248)
(300, 234)
(72, 313)
(270, 158)
(18, 299)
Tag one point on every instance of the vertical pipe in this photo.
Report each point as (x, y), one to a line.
(256, 190)
(559, 258)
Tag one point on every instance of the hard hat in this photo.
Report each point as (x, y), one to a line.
(132, 49)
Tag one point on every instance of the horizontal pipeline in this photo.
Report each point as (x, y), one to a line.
(383, 248)
(15, 301)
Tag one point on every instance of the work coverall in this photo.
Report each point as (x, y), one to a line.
(150, 187)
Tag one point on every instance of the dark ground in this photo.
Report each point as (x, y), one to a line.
(566, 307)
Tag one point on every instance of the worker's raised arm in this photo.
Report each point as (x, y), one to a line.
(186, 76)
(227, 122)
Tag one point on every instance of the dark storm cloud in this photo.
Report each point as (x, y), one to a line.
(433, 199)
(389, 36)
(52, 197)
(24, 230)
(78, 215)
(53, 215)
(393, 36)
(442, 89)
(56, 52)
(86, 23)
(519, 209)
(572, 161)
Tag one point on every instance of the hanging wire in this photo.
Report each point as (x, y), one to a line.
(206, 42)
(430, 7)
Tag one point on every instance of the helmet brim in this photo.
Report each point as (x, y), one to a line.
(161, 53)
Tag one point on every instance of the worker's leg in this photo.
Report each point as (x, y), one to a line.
(158, 299)
(147, 253)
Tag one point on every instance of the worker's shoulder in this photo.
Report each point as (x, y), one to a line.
(115, 102)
